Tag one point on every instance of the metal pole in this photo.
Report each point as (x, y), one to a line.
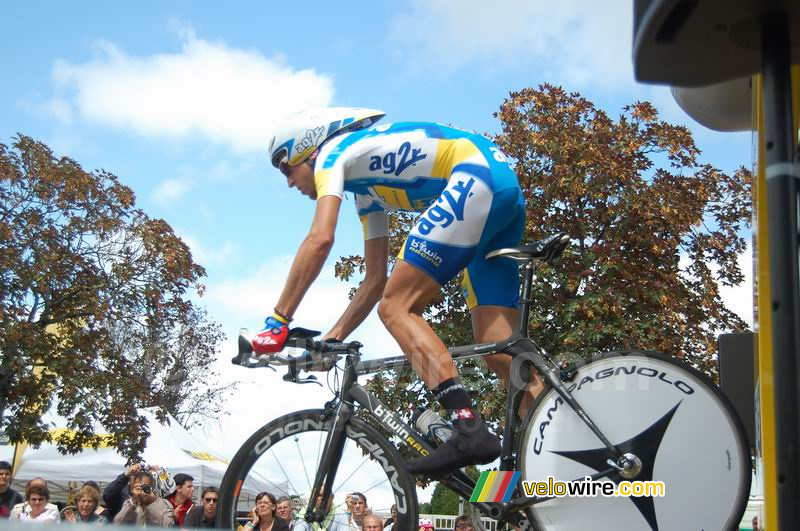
(782, 206)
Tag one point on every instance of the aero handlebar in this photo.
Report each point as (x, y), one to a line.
(318, 355)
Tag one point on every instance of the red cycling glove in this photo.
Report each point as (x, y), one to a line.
(272, 338)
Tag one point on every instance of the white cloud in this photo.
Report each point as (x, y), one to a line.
(224, 94)
(246, 301)
(260, 394)
(576, 41)
(739, 299)
(206, 255)
(170, 190)
(60, 109)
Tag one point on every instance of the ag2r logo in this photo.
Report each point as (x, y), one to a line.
(397, 162)
(439, 215)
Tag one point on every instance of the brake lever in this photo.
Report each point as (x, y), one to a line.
(310, 379)
(292, 376)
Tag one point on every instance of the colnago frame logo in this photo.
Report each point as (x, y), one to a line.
(375, 451)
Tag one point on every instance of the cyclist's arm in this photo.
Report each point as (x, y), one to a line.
(376, 255)
(311, 256)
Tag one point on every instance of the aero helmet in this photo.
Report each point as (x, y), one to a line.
(302, 133)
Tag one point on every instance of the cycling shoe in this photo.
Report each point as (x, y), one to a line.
(473, 447)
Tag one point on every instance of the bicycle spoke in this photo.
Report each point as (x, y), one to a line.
(288, 479)
(363, 462)
(376, 485)
(302, 461)
(369, 460)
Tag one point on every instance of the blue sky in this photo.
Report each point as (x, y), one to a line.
(178, 100)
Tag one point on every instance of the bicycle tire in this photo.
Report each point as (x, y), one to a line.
(632, 397)
(363, 441)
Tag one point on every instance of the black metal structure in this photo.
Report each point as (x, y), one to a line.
(700, 42)
(736, 377)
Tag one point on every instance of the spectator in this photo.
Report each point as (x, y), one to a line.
(393, 516)
(203, 515)
(8, 496)
(144, 507)
(463, 522)
(426, 525)
(333, 521)
(285, 510)
(372, 522)
(118, 490)
(100, 510)
(37, 498)
(264, 518)
(24, 508)
(87, 501)
(181, 499)
(357, 507)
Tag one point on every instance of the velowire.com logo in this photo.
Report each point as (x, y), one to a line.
(494, 486)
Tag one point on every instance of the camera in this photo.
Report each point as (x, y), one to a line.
(147, 489)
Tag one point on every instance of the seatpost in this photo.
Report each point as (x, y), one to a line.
(525, 298)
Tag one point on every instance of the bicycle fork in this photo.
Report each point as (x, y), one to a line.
(331, 456)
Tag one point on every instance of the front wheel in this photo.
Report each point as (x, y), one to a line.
(282, 458)
(671, 416)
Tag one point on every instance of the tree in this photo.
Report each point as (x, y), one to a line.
(94, 311)
(655, 233)
(444, 500)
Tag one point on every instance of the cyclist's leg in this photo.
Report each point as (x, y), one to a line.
(496, 323)
(442, 241)
(491, 287)
(407, 292)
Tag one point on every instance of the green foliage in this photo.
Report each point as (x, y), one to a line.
(654, 233)
(93, 300)
(444, 500)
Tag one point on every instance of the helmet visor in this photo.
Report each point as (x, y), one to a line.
(284, 167)
(279, 157)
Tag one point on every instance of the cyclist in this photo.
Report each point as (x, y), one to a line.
(470, 203)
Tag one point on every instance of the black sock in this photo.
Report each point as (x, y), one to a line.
(454, 399)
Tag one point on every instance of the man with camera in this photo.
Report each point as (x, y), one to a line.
(144, 507)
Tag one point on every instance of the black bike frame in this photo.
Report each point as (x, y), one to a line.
(526, 356)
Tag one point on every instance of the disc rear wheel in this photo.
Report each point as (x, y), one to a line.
(667, 414)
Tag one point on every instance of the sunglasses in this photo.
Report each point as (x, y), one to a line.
(285, 168)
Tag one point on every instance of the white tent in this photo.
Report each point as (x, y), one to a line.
(169, 446)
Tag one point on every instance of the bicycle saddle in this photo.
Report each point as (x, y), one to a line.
(545, 250)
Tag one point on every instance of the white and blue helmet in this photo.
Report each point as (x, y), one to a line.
(302, 133)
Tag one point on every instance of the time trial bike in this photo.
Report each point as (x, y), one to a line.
(615, 417)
